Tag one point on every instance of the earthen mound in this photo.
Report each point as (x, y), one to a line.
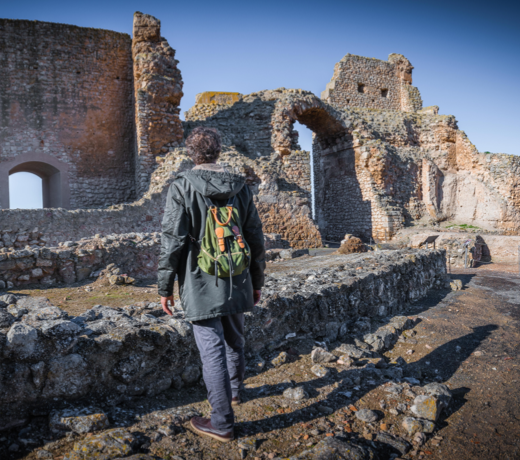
(352, 246)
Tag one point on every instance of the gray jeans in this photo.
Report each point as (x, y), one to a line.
(221, 346)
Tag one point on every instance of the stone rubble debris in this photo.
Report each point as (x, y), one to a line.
(295, 394)
(320, 371)
(319, 355)
(367, 416)
(80, 421)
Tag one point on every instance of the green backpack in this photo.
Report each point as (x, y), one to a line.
(223, 251)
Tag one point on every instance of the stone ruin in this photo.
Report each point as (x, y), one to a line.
(49, 359)
(95, 114)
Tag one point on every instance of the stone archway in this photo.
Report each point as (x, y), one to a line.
(342, 204)
(54, 175)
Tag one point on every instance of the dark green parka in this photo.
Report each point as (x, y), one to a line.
(184, 215)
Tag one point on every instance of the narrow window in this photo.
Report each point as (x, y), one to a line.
(361, 88)
(384, 93)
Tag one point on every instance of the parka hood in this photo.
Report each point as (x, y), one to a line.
(213, 184)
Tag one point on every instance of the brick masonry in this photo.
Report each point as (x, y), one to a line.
(378, 166)
(158, 92)
(371, 83)
(66, 99)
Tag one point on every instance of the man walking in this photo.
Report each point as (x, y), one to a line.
(214, 306)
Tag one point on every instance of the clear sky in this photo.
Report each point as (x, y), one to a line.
(466, 54)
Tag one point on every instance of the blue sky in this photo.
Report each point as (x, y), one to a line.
(465, 54)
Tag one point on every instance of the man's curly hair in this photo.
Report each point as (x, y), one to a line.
(204, 145)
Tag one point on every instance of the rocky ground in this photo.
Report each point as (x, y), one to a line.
(332, 400)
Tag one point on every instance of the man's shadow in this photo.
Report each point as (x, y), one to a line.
(439, 365)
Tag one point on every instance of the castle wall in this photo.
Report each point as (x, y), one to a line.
(378, 166)
(371, 83)
(158, 92)
(66, 94)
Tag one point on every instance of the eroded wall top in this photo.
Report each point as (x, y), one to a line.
(158, 92)
(371, 83)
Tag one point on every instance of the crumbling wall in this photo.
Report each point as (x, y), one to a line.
(48, 227)
(499, 249)
(359, 81)
(66, 101)
(375, 172)
(278, 175)
(379, 164)
(136, 255)
(109, 354)
(158, 92)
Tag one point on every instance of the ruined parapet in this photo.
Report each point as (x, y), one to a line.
(49, 358)
(371, 83)
(158, 92)
(209, 103)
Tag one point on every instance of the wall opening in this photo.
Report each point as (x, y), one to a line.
(50, 184)
(305, 140)
(360, 88)
(384, 93)
(25, 191)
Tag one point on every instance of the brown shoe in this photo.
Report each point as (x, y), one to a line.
(203, 426)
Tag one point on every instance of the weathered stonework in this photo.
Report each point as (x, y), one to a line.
(378, 163)
(366, 82)
(66, 110)
(375, 171)
(136, 255)
(48, 358)
(158, 92)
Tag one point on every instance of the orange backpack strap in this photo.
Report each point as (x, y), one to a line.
(238, 236)
(214, 211)
(219, 231)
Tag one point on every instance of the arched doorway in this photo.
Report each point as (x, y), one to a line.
(52, 172)
(341, 196)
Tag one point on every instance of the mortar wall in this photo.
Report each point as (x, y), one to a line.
(371, 83)
(48, 356)
(66, 93)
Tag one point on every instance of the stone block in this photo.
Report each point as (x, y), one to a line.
(216, 97)
(81, 421)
